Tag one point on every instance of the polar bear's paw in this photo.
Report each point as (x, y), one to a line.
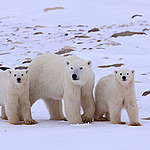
(16, 123)
(118, 122)
(59, 118)
(121, 122)
(100, 118)
(30, 122)
(135, 124)
(87, 119)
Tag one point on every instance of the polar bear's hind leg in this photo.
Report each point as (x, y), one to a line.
(55, 109)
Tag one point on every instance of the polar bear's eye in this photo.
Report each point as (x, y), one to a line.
(81, 68)
(21, 74)
(127, 73)
(121, 74)
(14, 75)
(71, 68)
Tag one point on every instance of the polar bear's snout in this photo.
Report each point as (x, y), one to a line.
(75, 77)
(124, 78)
(18, 80)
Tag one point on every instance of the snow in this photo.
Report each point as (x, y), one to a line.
(19, 20)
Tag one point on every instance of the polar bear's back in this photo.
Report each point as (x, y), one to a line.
(106, 81)
(105, 88)
(46, 74)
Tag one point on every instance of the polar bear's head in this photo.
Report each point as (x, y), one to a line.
(18, 76)
(77, 70)
(124, 77)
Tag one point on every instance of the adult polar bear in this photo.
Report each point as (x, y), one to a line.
(71, 78)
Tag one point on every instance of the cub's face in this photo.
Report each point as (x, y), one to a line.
(18, 76)
(77, 71)
(124, 77)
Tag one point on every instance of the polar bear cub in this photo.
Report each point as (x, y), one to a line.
(17, 103)
(114, 92)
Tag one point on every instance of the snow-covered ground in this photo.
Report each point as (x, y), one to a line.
(26, 31)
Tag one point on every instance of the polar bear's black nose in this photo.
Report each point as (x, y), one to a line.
(74, 76)
(18, 80)
(124, 78)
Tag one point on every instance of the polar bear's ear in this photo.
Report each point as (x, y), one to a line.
(89, 63)
(115, 72)
(132, 71)
(67, 62)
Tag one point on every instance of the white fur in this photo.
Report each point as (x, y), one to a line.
(3, 92)
(112, 94)
(17, 103)
(51, 79)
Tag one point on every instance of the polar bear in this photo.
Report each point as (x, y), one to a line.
(3, 93)
(112, 93)
(53, 78)
(17, 103)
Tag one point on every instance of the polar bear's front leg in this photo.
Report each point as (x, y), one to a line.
(26, 111)
(87, 101)
(55, 109)
(11, 106)
(88, 106)
(115, 114)
(72, 103)
(72, 109)
(132, 110)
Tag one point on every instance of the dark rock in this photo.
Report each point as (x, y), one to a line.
(4, 68)
(127, 33)
(94, 30)
(113, 65)
(146, 93)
